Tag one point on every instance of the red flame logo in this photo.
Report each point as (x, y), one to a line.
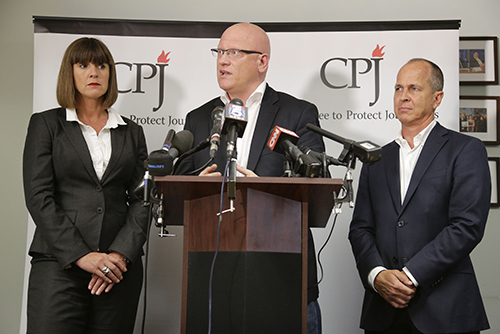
(378, 52)
(163, 57)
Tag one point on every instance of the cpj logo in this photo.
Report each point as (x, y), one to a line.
(156, 71)
(355, 67)
(138, 76)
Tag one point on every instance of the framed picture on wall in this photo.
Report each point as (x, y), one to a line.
(478, 117)
(477, 60)
(494, 171)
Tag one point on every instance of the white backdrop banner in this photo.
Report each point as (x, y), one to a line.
(165, 69)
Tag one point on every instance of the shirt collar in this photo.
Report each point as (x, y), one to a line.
(255, 97)
(114, 118)
(419, 139)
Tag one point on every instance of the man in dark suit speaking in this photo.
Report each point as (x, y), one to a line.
(419, 213)
(242, 61)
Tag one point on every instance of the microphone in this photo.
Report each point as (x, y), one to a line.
(234, 122)
(329, 160)
(283, 141)
(366, 151)
(216, 130)
(167, 143)
(181, 143)
(161, 162)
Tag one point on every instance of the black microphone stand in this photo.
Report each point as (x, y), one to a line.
(287, 167)
(159, 220)
(347, 187)
(147, 192)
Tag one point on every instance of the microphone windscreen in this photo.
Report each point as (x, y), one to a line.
(183, 141)
(159, 163)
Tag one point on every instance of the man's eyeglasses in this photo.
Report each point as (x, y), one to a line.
(232, 53)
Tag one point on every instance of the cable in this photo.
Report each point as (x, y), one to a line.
(216, 251)
(201, 146)
(146, 260)
(323, 247)
(337, 205)
(196, 171)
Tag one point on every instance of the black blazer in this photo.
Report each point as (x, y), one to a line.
(432, 233)
(74, 212)
(277, 108)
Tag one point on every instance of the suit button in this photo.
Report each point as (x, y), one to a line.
(395, 259)
(98, 189)
(99, 210)
(401, 223)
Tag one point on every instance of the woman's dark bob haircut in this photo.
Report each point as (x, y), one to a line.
(85, 50)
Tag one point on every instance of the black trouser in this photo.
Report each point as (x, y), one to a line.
(59, 301)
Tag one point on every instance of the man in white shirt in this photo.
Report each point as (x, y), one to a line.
(243, 55)
(419, 213)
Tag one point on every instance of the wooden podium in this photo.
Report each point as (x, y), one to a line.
(260, 275)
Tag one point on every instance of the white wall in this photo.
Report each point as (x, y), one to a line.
(479, 18)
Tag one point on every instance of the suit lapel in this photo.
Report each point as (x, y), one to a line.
(265, 121)
(432, 146)
(117, 143)
(78, 142)
(391, 161)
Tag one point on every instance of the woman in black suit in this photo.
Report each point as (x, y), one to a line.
(81, 164)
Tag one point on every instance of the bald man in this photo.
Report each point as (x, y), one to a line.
(243, 57)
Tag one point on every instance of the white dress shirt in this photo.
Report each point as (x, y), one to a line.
(99, 145)
(253, 104)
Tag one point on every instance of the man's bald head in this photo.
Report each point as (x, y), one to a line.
(253, 36)
(240, 74)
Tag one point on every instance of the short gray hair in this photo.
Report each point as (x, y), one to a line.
(436, 78)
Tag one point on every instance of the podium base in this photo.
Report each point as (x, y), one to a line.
(253, 292)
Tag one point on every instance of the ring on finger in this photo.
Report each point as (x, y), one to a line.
(106, 270)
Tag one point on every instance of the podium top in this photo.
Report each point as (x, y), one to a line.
(316, 192)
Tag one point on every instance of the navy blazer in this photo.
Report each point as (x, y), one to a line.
(76, 213)
(431, 233)
(277, 108)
